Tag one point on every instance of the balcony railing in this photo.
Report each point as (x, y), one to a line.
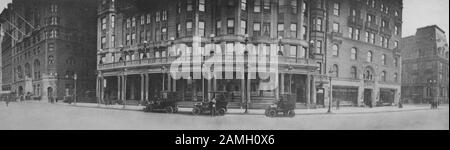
(356, 21)
(386, 31)
(372, 26)
(233, 59)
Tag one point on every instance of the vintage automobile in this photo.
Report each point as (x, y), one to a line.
(217, 108)
(165, 102)
(286, 105)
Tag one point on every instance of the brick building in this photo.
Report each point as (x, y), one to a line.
(425, 66)
(46, 43)
(140, 41)
(363, 51)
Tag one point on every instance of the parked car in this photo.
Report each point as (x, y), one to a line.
(285, 105)
(165, 102)
(215, 106)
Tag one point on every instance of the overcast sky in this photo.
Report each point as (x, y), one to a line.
(416, 14)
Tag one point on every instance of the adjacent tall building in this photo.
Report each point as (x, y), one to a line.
(47, 42)
(271, 49)
(425, 66)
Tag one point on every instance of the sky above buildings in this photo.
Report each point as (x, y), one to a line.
(416, 14)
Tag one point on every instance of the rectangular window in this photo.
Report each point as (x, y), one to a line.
(367, 37)
(127, 42)
(357, 34)
(230, 26)
(128, 22)
(113, 22)
(178, 30)
(256, 29)
(201, 5)
(302, 53)
(201, 28)
(257, 6)
(293, 30)
(103, 45)
(293, 51)
(218, 27)
(148, 18)
(336, 27)
(142, 20)
(164, 15)
(113, 40)
(164, 33)
(304, 9)
(294, 6)
(133, 22)
(266, 29)
(280, 30)
(244, 5)
(319, 47)
(266, 5)
(243, 27)
(157, 19)
(104, 23)
(189, 28)
(304, 34)
(133, 38)
(190, 5)
(350, 32)
(336, 9)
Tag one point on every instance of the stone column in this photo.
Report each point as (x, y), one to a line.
(97, 89)
(243, 89)
(124, 88)
(308, 88)
(169, 83)
(282, 85)
(313, 92)
(132, 88)
(119, 88)
(142, 88)
(146, 88)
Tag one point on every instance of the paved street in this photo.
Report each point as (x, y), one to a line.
(43, 116)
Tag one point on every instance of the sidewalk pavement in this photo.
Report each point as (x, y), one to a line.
(342, 110)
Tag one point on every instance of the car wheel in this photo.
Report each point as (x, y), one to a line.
(169, 109)
(196, 111)
(272, 113)
(291, 113)
(175, 110)
(267, 112)
(221, 112)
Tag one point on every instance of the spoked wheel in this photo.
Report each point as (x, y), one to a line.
(266, 112)
(221, 112)
(291, 113)
(196, 111)
(272, 113)
(175, 110)
(169, 109)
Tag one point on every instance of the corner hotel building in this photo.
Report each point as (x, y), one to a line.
(138, 40)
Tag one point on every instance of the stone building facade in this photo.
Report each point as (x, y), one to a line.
(425, 66)
(46, 43)
(140, 41)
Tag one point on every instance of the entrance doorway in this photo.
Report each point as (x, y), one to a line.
(368, 97)
(320, 96)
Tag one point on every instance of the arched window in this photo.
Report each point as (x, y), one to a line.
(19, 72)
(336, 70)
(353, 53)
(383, 59)
(383, 76)
(335, 49)
(36, 68)
(354, 72)
(368, 74)
(369, 56)
(28, 70)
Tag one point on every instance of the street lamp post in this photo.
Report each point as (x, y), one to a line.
(330, 103)
(246, 65)
(75, 77)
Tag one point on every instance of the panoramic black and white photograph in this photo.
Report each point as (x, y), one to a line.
(224, 65)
